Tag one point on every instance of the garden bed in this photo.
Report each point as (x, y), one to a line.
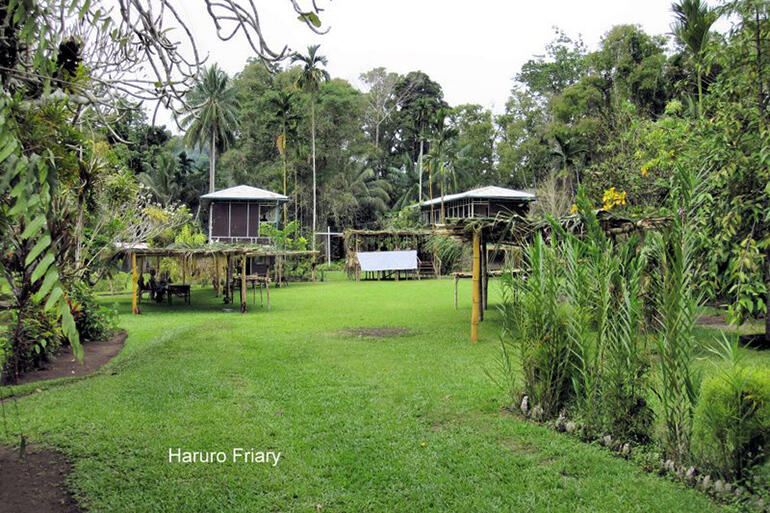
(95, 356)
(35, 483)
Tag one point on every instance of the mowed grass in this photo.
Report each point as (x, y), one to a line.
(404, 423)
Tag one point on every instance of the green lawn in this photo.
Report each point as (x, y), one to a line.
(407, 423)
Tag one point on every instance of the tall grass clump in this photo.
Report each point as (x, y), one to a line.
(575, 319)
(535, 324)
(606, 328)
(675, 306)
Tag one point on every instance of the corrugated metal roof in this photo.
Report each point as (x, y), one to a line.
(488, 192)
(387, 260)
(244, 192)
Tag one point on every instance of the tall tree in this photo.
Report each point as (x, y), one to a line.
(283, 108)
(415, 112)
(692, 27)
(310, 80)
(443, 137)
(213, 120)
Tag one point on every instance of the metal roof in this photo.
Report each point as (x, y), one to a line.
(244, 193)
(488, 192)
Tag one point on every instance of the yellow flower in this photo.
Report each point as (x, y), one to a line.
(645, 171)
(613, 198)
(573, 209)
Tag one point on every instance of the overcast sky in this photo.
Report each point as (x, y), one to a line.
(473, 48)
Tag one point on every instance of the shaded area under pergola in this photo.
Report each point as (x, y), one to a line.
(224, 258)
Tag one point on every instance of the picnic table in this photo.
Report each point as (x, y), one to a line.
(179, 291)
(256, 281)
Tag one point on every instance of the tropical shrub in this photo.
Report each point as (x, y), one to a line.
(731, 427)
(32, 338)
(93, 320)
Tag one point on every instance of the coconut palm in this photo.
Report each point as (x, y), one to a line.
(212, 122)
(694, 19)
(283, 107)
(310, 79)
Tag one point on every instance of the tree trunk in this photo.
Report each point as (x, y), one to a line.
(441, 173)
(312, 143)
(212, 161)
(767, 297)
(283, 154)
(430, 193)
(419, 173)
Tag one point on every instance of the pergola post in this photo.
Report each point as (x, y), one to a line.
(134, 286)
(243, 284)
(216, 276)
(312, 267)
(228, 280)
(475, 289)
(483, 275)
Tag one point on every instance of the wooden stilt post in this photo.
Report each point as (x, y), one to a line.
(243, 284)
(475, 303)
(134, 286)
(267, 291)
(184, 269)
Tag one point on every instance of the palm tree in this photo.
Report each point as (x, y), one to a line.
(694, 19)
(443, 137)
(310, 80)
(162, 182)
(282, 106)
(407, 179)
(213, 120)
(356, 189)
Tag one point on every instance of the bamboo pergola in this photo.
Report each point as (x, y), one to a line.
(230, 255)
(518, 230)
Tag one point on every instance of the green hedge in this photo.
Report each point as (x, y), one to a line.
(731, 429)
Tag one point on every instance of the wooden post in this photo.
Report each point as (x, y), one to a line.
(243, 284)
(482, 276)
(457, 279)
(485, 263)
(267, 289)
(312, 278)
(134, 286)
(184, 269)
(216, 276)
(475, 303)
(228, 279)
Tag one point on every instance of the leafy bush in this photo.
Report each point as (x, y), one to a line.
(93, 320)
(31, 340)
(731, 428)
